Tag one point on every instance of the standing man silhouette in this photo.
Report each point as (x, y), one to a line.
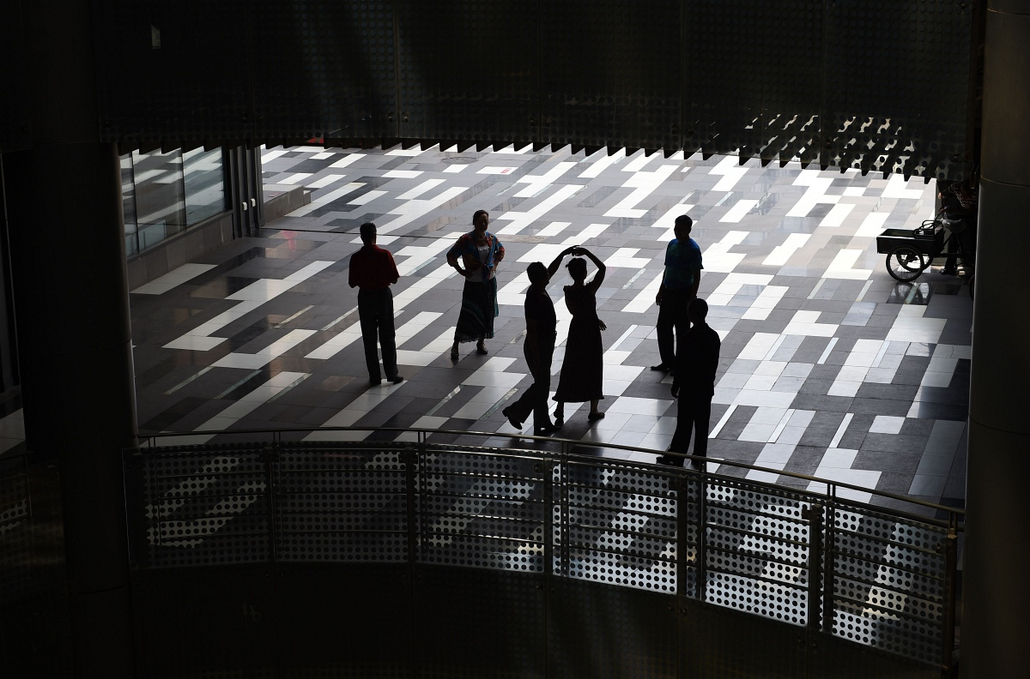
(372, 271)
(693, 386)
(679, 286)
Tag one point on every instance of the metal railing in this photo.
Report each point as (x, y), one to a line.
(880, 573)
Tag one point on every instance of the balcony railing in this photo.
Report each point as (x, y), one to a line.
(879, 574)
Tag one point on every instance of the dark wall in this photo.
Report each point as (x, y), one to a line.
(880, 85)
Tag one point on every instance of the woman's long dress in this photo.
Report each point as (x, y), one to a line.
(582, 371)
(478, 305)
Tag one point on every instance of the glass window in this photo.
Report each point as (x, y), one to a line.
(129, 206)
(164, 193)
(205, 185)
(160, 207)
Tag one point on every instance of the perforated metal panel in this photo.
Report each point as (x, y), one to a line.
(891, 588)
(611, 70)
(15, 539)
(484, 510)
(592, 633)
(343, 505)
(468, 69)
(756, 649)
(757, 551)
(882, 86)
(210, 623)
(472, 623)
(898, 86)
(206, 506)
(618, 525)
(547, 547)
(753, 84)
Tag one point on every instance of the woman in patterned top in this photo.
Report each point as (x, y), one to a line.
(475, 256)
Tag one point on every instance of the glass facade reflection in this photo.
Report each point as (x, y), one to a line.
(163, 194)
(205, 186)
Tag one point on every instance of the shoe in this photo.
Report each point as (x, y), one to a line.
(396, 379)
(559, 420)
(664, 367)
(454, 354)
(594, 417)
(374, 381)
(481, 349)
(667, 460)
(512, 420)
(545, 430)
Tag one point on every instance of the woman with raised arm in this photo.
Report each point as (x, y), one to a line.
(582, 370)
(475, 256)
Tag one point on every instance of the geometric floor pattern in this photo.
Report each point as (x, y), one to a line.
(829, 367)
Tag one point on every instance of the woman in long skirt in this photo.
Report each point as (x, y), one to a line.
(475, 256)
(582, 370)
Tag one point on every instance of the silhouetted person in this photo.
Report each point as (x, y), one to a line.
(582, 371)
(372, 271)
(959, 207)
(538, 349)
(679, 286)
(479, 252)
(693, 385)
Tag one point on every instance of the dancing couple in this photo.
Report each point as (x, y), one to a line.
(582, 370)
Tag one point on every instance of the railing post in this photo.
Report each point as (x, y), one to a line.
(950, 574)
(702, 536)
(411, 456)
(547, 467)
(829, 570)
(270, 456)
(682, 530)
(814, 514)
(138, 524)
(547, 471)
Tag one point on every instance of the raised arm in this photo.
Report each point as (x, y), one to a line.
(598, 278)
(553, 267)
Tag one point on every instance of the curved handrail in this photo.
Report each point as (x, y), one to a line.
(845, 567)
(568, 446)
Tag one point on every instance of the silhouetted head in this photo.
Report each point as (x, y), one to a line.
(683, 226)
(697, 310)
(577, 268)
(480, 220)
(537, 273)
(368, 233)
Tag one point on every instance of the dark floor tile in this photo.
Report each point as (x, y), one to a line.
(939, 411)
(817, 402)
(903, 447)
(878, 406)
(170, 416)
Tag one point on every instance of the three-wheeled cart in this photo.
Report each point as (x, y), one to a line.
(911, 251)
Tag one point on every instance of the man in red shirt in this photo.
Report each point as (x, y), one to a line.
(372, 270)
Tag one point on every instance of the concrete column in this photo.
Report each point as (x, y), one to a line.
(996, 590)
(64, 215)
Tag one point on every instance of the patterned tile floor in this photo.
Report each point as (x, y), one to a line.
(829, 367)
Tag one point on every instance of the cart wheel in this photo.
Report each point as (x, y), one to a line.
(905, 263)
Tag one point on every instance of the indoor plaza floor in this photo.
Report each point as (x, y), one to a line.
(829, 367)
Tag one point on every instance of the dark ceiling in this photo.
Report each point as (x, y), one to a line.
(878, 85)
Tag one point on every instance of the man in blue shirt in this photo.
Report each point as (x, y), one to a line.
(679, 287)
